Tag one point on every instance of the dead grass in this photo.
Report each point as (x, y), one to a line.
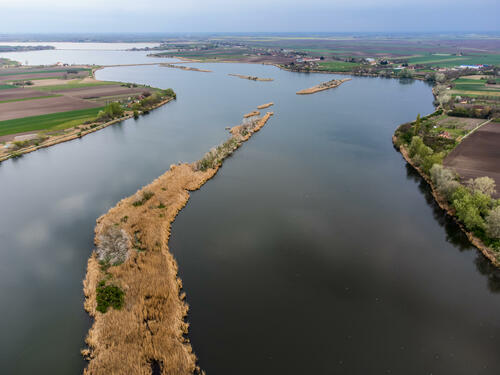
(264, 106)
(251, 114)
(251, 78)
(151, 325)
(323, 86)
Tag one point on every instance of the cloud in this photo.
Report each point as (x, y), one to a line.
(244, 16)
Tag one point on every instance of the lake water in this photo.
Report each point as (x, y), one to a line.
(85, 53)
(315, 249)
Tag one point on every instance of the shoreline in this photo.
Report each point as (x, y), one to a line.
(279, 66)
(188, 68)
(323, 86)
(75, 133)
(251, 78)
(150, 329)
(443, 204)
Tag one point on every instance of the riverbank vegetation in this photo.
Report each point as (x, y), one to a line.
(58, 107)
(131, 288)
(425, 143)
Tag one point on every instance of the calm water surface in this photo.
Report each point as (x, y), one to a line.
(315, 250)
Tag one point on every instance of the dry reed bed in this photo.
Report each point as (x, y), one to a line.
(185, 68)
(264, 106)
(251, 78)
(150, 327)
(323, 86)
(251, 114)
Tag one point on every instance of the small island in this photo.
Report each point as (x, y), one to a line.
(24, 48)
(264, 106)
(251, 78)
(185, 68)
(323, 86)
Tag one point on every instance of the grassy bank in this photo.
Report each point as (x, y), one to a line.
(60, 120)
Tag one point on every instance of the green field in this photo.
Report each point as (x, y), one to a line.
(453, 60)
(475, 85)
(337, 66)
(6, 87)
(53, 121)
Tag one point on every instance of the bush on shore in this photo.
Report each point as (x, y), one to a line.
(110, 111)
(215, 156)
(108, 296)
(473, 204)
(423, 155)
(493, 223)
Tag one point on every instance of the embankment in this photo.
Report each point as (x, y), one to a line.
(149, 330)
(73, 133)
(323, 86)
(443, 203)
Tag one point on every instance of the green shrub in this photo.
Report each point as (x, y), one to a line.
(110, 111)
(146, 195)
(109, 296)
(471, 208)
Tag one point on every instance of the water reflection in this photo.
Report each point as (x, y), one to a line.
(454, 234)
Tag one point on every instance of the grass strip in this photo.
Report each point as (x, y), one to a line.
(50, 121)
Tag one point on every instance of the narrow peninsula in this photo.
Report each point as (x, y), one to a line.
(323, 86)
(182, 67)
(251, 78)
(132, 289)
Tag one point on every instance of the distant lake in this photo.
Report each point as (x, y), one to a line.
(315, 249)
(84, 46)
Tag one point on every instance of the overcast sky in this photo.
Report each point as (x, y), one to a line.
(22, 16)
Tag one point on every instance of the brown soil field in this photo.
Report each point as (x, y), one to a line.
(9, 111)
(443, 203)
(478, 155)
(67, 134)
(100, 91)
(150, 327)
(28, 77)
(20, 93)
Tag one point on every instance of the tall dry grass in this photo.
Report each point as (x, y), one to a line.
(151, 326)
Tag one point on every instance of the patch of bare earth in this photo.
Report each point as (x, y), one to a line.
(478, 155)
(103, 91)
(19, 93)
(28, 76)
(12, 110)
